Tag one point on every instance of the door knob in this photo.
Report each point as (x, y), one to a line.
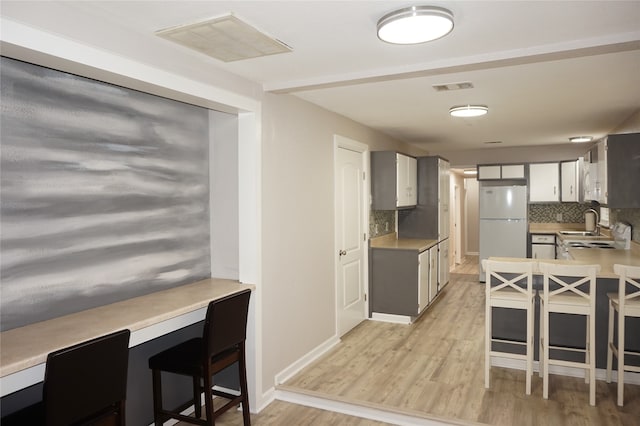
(342, 252)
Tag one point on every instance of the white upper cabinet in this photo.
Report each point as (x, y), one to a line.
(569, 181)
(544, 180)
(406, 180)
(502, 171)
(394, 180)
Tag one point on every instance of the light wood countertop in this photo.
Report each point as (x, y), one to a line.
(552, 228)
(390, 241)
(605, 258)
(28, 346)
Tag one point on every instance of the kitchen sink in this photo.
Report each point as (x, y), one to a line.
(579, 233)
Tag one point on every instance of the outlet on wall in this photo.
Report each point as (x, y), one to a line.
(559, 217)
(386, 226)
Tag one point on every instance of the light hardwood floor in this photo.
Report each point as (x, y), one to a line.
(434, 368)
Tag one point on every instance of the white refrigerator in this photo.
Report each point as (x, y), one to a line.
(503, 222)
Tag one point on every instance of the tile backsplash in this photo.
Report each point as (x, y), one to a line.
(557, 213)
(381, 222)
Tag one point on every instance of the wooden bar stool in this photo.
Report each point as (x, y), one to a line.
(627, 304)
(564, 292)
(221, 345)
(83, 384)
(509, 285)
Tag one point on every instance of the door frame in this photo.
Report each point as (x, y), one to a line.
(342, 142)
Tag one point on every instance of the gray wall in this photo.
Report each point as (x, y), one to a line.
(105, 193)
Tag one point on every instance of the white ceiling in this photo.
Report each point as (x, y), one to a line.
(547, 70)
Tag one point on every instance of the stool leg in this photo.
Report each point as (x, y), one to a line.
(242, 367)
(610, 342)
(592, 357)
(487, 345)
(587, 372)
(208, 398)
(197, 405)
(621, 334)
(545, 355)
(540, 338)
(156, 378)
(529, 347)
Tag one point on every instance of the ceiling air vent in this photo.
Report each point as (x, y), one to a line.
(227, 39)
(453, 86)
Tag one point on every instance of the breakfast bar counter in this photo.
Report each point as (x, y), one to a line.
(24, 350)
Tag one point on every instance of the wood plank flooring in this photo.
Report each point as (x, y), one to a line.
(435, 366)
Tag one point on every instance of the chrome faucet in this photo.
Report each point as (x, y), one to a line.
(597, 219)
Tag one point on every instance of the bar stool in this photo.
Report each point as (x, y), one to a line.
(514, 289)
(83, 384)
(221, 345)
(564, 293)
(627, 304)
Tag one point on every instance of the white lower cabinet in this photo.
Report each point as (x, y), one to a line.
(423, 277)
(543, 246)
(443, 264)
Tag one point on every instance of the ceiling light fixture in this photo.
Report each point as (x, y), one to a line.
(470, 172)
(578, 139)
(468, 110)
(415, 24)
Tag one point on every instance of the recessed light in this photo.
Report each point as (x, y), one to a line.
(470, 172)
(468, 110)
(415, 24)
(579, 139)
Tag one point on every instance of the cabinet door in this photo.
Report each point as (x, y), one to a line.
(488, 172)
(601, 183)
(543, 251)
(423, 277)
(569, 180)
(412, 181)
(406, 180)
(401, 179)
(443, 264)
(513, 171)
(443, 199)
(433, 273)
(543, 182)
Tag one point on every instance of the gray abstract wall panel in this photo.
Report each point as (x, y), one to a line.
(104, 193)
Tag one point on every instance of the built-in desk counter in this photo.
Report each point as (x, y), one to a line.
(24, 350)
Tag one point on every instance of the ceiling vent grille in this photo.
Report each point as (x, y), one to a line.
(226, 38)
(453, 86)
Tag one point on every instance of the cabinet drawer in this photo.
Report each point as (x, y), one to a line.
(543, 239)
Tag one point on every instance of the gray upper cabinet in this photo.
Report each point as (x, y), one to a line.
(393, 180)
(623, 171)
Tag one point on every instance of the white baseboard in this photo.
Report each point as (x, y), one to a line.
(362, 411)
(397, 319)
(601, 373)
(307, 359)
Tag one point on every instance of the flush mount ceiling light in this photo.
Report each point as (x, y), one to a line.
(468, 110)
(415, 24)
(470, 172)
(579, 139)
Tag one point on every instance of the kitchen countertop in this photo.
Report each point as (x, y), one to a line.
(605, 258)
(391, 241)
(552, 228)
(28, 346)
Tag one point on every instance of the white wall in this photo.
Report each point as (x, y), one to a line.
(298, 226)
(223, 202)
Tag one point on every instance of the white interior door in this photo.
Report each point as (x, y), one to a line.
(350, 234)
